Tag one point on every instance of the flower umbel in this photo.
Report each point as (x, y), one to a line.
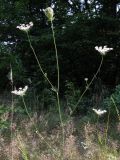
(49, 13)
(103, 50)
(99, 111)
(25, 27)
(20, 91)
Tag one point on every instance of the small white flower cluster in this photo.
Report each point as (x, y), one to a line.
(99, 111)
(20, 91)
(84, 145)
(49, 13)
(103, 50)
(86, 79)
(25, 27)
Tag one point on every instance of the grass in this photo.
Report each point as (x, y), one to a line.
(80, 143)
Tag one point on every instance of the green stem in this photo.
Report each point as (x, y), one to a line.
(87, 86)
(12, 111)
(56, 52)
(97, 126)
(106, 132)
(113, 101)
(23, 150)
(40, 67)
(59, 108)
(26, 109)
(58, 84)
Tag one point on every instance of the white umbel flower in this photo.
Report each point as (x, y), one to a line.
(99, 111)
(103, 50)
(49, 13)
(25, 27)
(20, 91)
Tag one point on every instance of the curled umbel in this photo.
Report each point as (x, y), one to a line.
(49, 13)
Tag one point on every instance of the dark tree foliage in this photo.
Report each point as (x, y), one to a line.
(80, 25)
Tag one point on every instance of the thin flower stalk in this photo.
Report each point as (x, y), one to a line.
(56, 52)
(107, 127)
(22, 148)
(89, 84)
(12, 111)
(38, 62)
(113, 101)
(26, 109)
(99, 138)
(58, 81)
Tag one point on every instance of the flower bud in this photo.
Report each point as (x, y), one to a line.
(49, 13)
(86, 79)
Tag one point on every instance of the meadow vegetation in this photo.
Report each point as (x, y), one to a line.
(46, 117)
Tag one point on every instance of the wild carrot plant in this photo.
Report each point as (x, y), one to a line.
(50, 15)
